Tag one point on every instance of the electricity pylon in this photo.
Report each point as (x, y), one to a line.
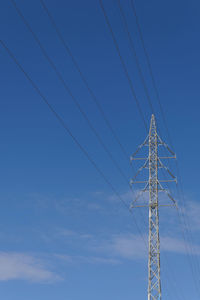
(153, 185)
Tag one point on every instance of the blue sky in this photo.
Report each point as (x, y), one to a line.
(64, 235)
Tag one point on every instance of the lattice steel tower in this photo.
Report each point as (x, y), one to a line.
(153, 186)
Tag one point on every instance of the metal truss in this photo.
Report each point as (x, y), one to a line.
(153, 185)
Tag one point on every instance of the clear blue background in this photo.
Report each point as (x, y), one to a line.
(48, 187)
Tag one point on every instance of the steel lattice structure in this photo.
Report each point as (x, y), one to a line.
(153, 186)
(154, 287)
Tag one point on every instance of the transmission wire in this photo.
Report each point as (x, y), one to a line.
(151, 70)
(73, 98)
(94, 96)
(123, 65)
(133, 51)
(61, 79)
(159, 101)
(91, 92)
(68, 130)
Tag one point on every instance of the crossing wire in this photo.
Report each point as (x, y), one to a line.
(124, 68)
(188, 241)
(135, 56)
(133, 50)
(68, 130)
(186, 245)
(61, 79)
(151, 71)
(90, 90)
(188, 248)
(123, 65)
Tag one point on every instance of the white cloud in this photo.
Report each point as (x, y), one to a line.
(24, 267)
(101, 260)
(94, 206)
(66, 232)
(193, 215)
(171, 244)
(129, 246)
(87, 259)
(138, 198)
(70, 234)
(128, 197)
(122, 246)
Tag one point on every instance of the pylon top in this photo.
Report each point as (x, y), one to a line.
(153, 122)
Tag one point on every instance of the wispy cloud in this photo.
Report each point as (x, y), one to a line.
(192, 212)
(25, 267)
(175, 245)
(71, 234)
(129, 246)
(126, 246)
(120, 246)
(87, 259)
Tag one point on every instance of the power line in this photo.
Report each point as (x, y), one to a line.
(91, 92)
(151, 71)
(166, 126)
(133, 7)
(61, 79)
(123, 65)
(68, 130)
(188, 246)
(134, 53)
(133, 50)
(72, 96)
(187, 237)
(142, 79)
